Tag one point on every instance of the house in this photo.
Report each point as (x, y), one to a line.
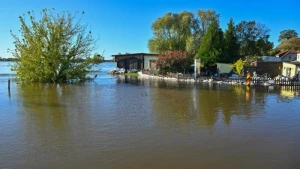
(298, 56)
(290, 69)
(136, 61)
(273, 68)
(287, 55)
(271, 59)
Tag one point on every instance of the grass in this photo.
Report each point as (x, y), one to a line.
(131, 74)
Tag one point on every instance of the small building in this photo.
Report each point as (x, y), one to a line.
(287, 55)
(271, 59)
(272, 68)
(138, 61)
(224, 68)
(290, 69)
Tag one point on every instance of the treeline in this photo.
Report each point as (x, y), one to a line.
(8, 59)
(200, 36)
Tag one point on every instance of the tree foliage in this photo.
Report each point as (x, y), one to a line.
(253, 38)
(293, 43)
(238, 66)
(212, 45)
(231, 45)
(52, 49)
(173, 61)
(180, 31)
(97, 58)
(206, 17)
(287, 34)
(171, 32)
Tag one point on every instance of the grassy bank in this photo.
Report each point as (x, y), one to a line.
(131, 74)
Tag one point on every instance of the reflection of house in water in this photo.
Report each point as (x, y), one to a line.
(289, 91)
(137, 61)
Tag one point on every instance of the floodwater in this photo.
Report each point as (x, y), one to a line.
(130, 123)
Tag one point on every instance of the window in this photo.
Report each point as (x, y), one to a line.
(152, 63)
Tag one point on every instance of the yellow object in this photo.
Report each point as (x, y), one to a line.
(248, 79)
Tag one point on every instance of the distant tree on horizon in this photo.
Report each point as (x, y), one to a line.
(292, 43)
(287, 34)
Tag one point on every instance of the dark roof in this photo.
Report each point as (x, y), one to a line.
(286, 52)
(133, 54)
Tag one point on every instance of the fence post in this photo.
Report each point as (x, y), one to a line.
(8, 84)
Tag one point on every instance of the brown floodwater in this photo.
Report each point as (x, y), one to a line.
(130, 123)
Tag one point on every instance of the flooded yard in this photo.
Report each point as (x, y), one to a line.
(128, 122)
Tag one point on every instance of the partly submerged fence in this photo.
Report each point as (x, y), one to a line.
(255, 81)
(282, 82)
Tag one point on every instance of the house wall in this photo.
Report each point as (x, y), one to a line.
(293, 69)
(273, 68)
(289, 57)
(298, 57)
(147, 61)
(129, 61)
(224, 67)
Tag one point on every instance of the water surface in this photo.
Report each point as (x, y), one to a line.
(126, 122)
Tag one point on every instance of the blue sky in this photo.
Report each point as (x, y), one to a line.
(125, 25)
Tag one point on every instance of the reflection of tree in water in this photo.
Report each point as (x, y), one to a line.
(53, 115)
(212, 104)
(173, 107)
(45, 117)
(42, 103)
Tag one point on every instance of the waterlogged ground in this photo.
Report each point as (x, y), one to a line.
(118, 122)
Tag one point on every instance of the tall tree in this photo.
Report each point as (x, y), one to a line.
(180, 31)
(231, 46)
(199, 27)
(171, 32)
(206, 17)
(52, 49)
(253, 38)
(211, 47)
(287, 34)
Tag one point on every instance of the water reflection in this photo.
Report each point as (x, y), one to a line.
(205, 105)
(54, 116)
(129, 122)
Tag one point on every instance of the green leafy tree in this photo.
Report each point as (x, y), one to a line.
(97, 58)
(211, 48)
(171, 32)
(253, 38)
(199, 27)
(238, 66)
(53, 48)
(287, 34)
(180, 31)
(206, 17)
(231, 45)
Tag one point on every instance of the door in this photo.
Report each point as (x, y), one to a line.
(288, 72)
